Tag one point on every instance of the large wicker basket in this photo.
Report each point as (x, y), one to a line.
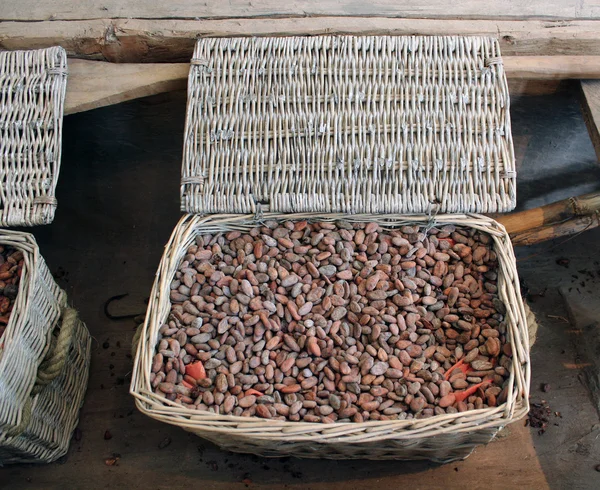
(33, 85)
(44, 364)
(331, 128)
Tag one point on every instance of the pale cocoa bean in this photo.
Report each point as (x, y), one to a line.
(334, 401)
(221, 383)
(394, 373)
(479, 365)
(247, 401)
(228, 404)
(327, 270)
(445, 388)
(305, 309)
(338, 313)
(379, 368)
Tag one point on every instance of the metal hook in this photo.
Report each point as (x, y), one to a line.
(118, 317)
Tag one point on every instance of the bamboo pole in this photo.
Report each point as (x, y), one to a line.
(562, 218)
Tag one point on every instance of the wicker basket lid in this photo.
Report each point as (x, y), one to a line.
(348, 124)
(32, 86)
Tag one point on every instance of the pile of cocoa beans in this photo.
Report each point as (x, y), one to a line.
(335, 322)
(11, 267)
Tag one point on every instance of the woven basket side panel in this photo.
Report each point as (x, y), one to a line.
(27, 341)
(55, 410)
(443, 448)
(348, 124)
(33, 85)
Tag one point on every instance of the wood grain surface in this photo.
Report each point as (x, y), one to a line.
(172, 40)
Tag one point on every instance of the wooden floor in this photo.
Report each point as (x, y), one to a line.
(189, 462)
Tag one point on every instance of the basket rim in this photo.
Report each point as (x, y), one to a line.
(516, 406)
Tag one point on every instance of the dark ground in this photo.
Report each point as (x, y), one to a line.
(118, 202)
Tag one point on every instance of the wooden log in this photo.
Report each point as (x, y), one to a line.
(552, 67)
(550, 232)
(554, 220)
(191, 9)
(590, 106)
(168, 40)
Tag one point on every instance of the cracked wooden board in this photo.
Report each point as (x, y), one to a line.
(190, 9)
(137, 40)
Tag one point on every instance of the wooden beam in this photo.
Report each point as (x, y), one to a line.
(93, 84)
(522, 87)
(168, 40)
(192, 9)
(552, 67)
(561, 218)
(590, 106)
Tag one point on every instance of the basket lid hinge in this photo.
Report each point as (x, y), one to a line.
(260, 209)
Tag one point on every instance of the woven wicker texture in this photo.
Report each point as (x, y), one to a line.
(32, 91)
(440, 438)
(348, 124)
(38, 429)
(55, 410)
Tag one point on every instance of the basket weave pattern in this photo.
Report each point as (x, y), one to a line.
(440, 438)
(26, 342)
(348, 124)
(32, 91)
(55, 411)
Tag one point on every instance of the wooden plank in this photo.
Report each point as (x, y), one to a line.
(562, 218)
(590, 105)
(190, 462)
(93, 84)
(522, 87)
(191, 9)
(135, 40)
(552, 67)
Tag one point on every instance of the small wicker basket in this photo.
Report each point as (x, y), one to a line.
(44, 364)
(359, 129)
(33, 85)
